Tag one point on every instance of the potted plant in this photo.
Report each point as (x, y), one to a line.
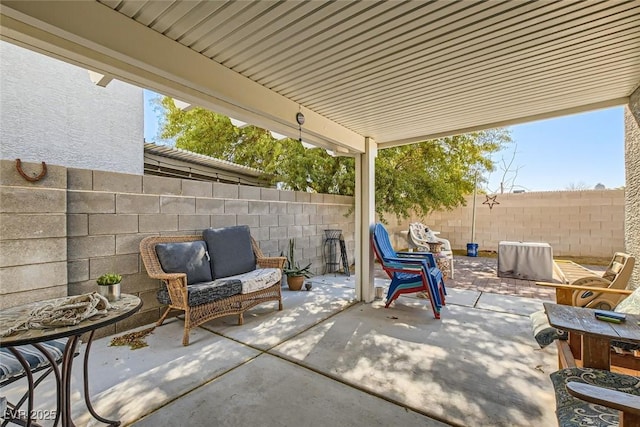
(295, 273)
(109, 286)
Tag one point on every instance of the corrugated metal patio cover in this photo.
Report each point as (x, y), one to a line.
(400, 71)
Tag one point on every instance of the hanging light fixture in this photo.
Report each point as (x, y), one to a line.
(300, 120)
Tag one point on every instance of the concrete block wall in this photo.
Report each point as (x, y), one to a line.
(59, 234)
(91, 222)
(578, 223)
(109, 213)
(33, 234)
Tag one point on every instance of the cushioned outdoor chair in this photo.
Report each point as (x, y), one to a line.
(409, 272)
(420, 236)
(25, 361)
(593, 397)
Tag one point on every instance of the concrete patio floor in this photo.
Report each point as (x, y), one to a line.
(326, 360)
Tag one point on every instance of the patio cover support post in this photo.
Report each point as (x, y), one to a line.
(632, 188)
(365, 218)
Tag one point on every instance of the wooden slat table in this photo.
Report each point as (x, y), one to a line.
(595, 335)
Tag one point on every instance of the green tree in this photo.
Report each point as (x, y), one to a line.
(433, 174)
(286, 161)
(419, 178)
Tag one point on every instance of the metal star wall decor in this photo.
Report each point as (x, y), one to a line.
(491, 200)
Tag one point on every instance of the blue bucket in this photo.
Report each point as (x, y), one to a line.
(472, 249)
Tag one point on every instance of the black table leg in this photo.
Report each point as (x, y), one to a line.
(56, 372)
(27, 370)
(87, 398)
(65, 388)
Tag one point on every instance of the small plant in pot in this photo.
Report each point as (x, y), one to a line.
(109, 286)
(295, 273)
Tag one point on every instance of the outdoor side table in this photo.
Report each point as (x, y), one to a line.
(525, 261)
(123, 308)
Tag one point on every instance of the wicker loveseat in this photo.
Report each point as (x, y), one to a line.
(219, 273)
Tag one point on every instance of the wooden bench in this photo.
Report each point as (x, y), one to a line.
(219, 294)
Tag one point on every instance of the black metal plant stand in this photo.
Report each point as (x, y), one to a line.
(333, 239)
(330, 250)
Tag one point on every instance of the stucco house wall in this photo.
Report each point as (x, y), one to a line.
(632, 170)
(51, 111)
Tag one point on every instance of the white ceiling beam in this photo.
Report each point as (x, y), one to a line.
(99, 79)
(160, 64)
(519, 120)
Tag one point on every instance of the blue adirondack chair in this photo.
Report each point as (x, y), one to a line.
(409, 271)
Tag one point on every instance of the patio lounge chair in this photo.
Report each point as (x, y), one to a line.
(616, 276)
(586, 283)
(419, 236)
(409, 272)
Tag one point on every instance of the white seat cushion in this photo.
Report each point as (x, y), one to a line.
(257, 279)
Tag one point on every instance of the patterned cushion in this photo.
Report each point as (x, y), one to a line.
(202, 293)
(572, 411)
(624, 346)
(230, 250)
(543, 332)
(186, 257)
(258, 279)
(10, 366)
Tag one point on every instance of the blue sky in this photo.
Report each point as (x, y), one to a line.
(582, 149)
(556, 154)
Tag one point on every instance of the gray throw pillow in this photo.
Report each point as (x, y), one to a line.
(186, 257)
(230, 250)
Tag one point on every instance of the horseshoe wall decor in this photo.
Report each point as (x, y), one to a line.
(43, 172)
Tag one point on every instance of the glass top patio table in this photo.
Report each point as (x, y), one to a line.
(121, 309)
